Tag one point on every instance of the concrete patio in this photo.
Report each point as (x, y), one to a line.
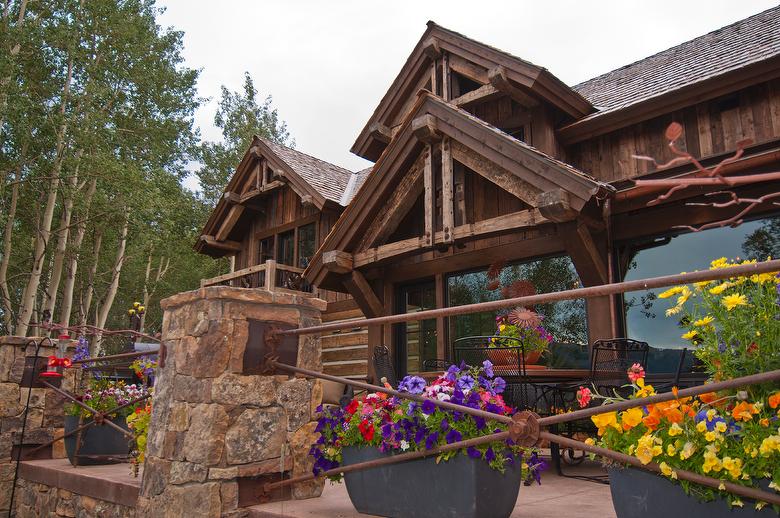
(556, 497)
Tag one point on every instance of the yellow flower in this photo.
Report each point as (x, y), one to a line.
(721, 426)
(701, 427)
(675, 430)
(604, 421)
(684, 296)
(737, 502)
(646, 449)
(501, 327)
(719, 263)
(733, 466)
(720, 288)
(704, 321)
(690, 335)
(734, 300)
(673, 311)
(701, 284)
(711, 462)
(590, 441)
(671, 450)
(631, 417)
(768, 445)
(761, 278)
(711, 436)
(667, 470)
(670, 292)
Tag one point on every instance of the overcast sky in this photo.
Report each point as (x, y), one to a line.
(327, 63)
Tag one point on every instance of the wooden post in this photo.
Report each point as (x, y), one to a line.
(445, 77)
(270, 275)
(447, 188)
(430, 197)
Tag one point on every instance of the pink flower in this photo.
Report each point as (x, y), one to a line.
(584, 396)
(635, 372)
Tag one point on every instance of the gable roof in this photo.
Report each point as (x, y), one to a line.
(524, 74)
(521, 161)
(731, 50)
(325, 183)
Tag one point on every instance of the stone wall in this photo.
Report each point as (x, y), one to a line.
(44, 418)
(34, 500)
(215, 429)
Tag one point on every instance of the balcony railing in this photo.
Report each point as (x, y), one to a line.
(270, 275)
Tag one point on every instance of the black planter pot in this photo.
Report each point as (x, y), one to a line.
(462, 487)
(640, 494)
(97, 440)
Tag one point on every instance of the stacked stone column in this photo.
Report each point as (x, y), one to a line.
(213, 425)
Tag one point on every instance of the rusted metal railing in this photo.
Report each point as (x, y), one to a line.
(526, 428)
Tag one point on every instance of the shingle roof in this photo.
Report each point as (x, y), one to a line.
(330, 180)
(354, 185)
(747, 41)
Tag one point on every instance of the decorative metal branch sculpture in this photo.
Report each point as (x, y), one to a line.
(705, 176)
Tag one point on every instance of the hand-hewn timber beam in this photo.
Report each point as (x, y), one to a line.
(380, 132)
(430, 48)
(468, 69)
(492, 172)
(497, 77)
(555, 206)
(231, 197)
(481, 94)
(447, 191)
(430, 196)
(446, 93)
(232, 246)
(337, 261)
(364, 295)
(589, 261)
(229, 222)
(425, 129)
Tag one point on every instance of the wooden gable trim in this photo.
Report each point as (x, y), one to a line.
(441, 47)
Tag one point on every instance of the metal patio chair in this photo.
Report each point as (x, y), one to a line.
(383, 366)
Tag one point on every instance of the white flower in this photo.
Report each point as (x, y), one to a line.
(441, 396)
(404, 445)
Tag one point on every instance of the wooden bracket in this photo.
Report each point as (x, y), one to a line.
(497, 77)
(364, 295)
(430, 48)
(380, 132)
(555, 206)
(585, 254)
(230, 246)
(337, 261)
(426, 129)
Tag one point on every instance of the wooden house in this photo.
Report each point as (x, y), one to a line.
(274, 214)
(482, 157)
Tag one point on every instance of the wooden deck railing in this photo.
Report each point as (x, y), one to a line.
(270, 275)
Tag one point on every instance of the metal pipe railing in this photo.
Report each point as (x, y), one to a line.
(532, 300)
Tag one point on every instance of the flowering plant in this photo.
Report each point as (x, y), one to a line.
(394, 424)
(525, 326)
(731, 437)
(734, 323)
(104, 394)
(138, 422)
(144, 367)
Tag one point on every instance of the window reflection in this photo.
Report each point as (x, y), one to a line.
(644, 313)
(566, 320)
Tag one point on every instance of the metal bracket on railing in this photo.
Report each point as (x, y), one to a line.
(524, 429)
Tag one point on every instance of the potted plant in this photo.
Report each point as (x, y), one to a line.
(729, 435)
(138, 423)
(521, 327)
(478, 481)
(99, 443)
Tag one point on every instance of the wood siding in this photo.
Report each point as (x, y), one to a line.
(710, 128)
(345, 352)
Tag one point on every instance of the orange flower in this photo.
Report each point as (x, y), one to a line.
(670, 410)
(652, 420)
(774, 400)
(708, 398)
(744, 411)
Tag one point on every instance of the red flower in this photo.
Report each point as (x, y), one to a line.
(366, 430)
(583, 396)
(635, 372)
(352, 407)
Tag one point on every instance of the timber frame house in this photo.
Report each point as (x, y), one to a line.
(481, 157)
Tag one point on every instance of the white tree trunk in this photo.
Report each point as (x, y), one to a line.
(73, 260)
(86, 300)
(161, 271)
(108, 301)
(5, 292)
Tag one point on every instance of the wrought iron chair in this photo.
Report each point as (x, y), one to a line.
(383, 366)
(435, 364)
(667, 386)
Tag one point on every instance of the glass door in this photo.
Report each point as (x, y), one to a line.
(415, 342)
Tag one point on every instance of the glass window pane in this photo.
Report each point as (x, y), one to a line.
(645, 315)
(416, 341)
(266, 250)
(285, 254)
(565, 320)
(306, 244)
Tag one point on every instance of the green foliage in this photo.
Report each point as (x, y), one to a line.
(240, 117)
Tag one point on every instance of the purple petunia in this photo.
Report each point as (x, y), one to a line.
(412, 384)
(428, 407)
(452, 373)
(431, 440)
(499, 385)
(490, 454)
(473, 452)
(453, 436)
(487, 367)
(465, 383)
(444, 425)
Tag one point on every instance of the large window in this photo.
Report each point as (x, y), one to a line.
(644, 314)
(566, 320)
(286, 251)
(415, 342)
(307, 235)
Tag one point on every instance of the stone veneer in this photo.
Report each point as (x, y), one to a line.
(45, 416)
(211, 425)
(35, 500)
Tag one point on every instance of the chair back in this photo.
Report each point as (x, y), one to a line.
(680, 364)
(610, 359)
(383, 366)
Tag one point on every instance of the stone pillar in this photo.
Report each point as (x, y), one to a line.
(44, 417)
(216, 432)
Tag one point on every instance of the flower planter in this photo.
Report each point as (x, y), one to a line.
(460, 487)
(503, 357)
(96, 440)
(638, 494)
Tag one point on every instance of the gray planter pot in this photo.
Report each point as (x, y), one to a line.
(96, 440)
(640, 494)
(461, 487)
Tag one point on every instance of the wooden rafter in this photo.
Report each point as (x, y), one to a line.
(480, 95)
(230, 246)
(337, 261)
(364, 295)
(498, 78)
(585, 254)
(229, 222)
